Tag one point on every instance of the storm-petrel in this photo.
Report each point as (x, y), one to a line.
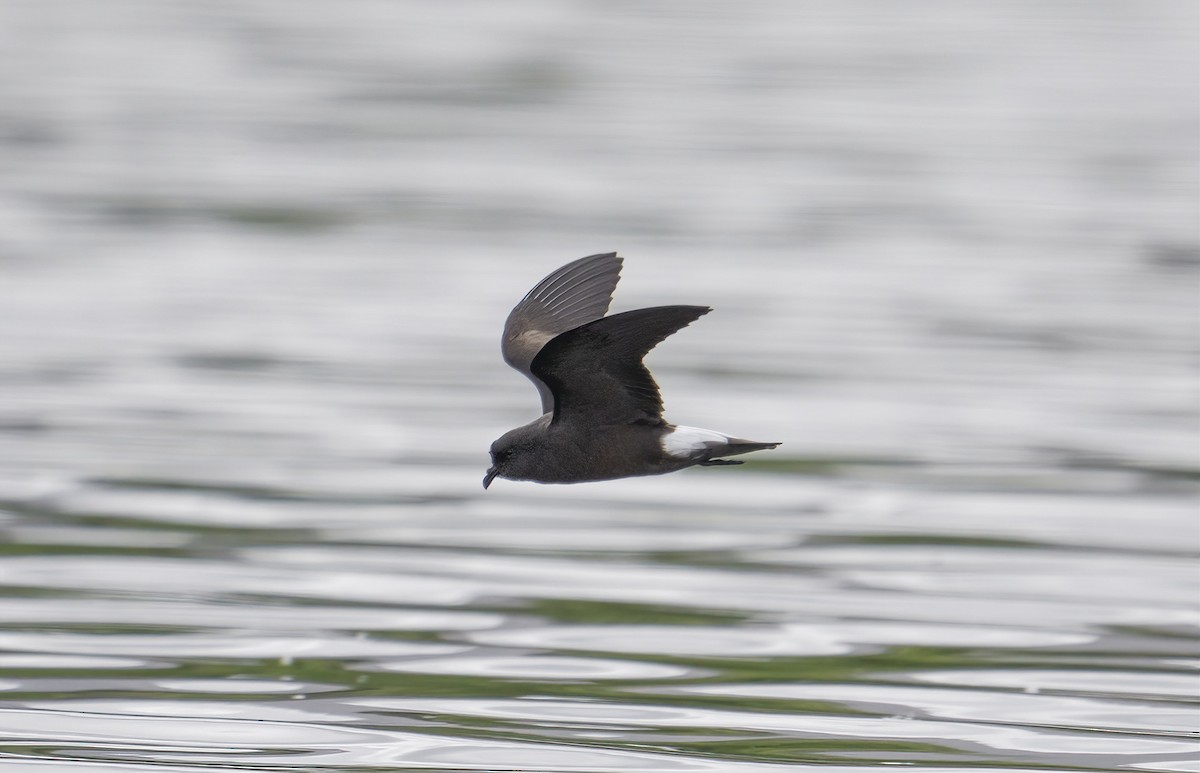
(602, 412)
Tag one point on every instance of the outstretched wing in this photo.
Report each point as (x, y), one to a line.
(575, 294)
(595, 371)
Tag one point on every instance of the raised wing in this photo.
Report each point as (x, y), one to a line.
(575, 294)
(595, 371)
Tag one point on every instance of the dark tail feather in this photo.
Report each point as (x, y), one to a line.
(733, 448)
(738, 446)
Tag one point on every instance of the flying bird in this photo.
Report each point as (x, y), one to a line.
(602, 414)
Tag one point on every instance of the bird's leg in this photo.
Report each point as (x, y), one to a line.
(720, 462)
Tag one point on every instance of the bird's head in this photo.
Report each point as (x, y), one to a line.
(514, 456)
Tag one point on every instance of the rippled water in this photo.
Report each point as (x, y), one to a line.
(254, 259)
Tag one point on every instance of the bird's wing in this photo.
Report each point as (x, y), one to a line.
(575, 294)
(595, 371)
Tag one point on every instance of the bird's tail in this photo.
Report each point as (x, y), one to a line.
(732, 447)
(740, 446)
(703, 446)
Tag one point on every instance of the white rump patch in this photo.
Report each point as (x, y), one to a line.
(684, 442)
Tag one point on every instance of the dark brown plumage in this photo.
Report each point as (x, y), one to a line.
(602, 411)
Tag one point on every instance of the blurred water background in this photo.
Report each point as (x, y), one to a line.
(254, 261)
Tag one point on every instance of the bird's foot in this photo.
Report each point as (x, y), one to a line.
(720, 462)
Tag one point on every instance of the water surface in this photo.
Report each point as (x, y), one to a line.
(253, 265)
